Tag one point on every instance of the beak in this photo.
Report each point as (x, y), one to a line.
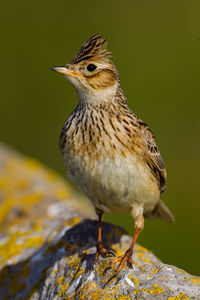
(67, 71)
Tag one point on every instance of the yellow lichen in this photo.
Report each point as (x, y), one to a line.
(62, 194)
(123, 297)
(118, 252)
(141, 256)
(75, 261)
(136, 281)
(62, 289)
(154, 271)
(76, 221)
(140, 248)
(29, 200)
(10, 249)
(140, 290)
(32, 164)
(178, 271)
(107, 297)
(195, 280)
(156, 290)
(34, 241)
(72, 221)
(88, 291)
(5, 208)
(36, 227)
(16, 242)
(60, 280)
(102, 267)
(182, 296)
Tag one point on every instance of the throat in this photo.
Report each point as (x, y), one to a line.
(102, 97)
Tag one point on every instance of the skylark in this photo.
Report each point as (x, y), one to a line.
(108, 151)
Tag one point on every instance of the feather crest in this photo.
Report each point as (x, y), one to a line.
(94, 48)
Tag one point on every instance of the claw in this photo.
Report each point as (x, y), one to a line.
(116, 260)
(110, 253)
(101, 250)
(125, 259)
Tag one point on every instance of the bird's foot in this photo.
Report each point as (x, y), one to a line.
(125, 259)
(101, 250)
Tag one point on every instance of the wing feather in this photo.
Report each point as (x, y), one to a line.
(153, 158)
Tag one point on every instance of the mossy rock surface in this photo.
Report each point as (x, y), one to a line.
(47, 244)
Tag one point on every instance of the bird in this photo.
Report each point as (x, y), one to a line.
(109, 152)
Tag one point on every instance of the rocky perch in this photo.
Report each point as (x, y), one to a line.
(47, 244)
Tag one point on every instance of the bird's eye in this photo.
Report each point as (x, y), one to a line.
(91, 67)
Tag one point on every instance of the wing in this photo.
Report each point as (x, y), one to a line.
(152, 157)
(155, 163)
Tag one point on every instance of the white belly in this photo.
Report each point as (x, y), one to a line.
(113, 185)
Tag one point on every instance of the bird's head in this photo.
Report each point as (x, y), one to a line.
(91, 71)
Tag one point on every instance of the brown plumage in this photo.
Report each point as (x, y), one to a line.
(109, 152)
(94, 47)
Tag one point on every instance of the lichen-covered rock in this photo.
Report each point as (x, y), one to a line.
(47, 245)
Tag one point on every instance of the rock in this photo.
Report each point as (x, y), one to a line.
(47, 244)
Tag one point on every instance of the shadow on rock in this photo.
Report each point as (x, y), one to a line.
(21, 280)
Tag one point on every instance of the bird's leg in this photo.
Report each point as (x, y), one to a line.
(127, 258)
(100, 247)
(101, 250)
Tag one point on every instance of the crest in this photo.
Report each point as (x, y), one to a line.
(93, 48)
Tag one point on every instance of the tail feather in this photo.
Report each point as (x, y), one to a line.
(160, 211)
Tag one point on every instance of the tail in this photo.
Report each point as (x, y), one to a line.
(160, 211)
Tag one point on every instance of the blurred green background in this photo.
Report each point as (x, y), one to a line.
(156, 46)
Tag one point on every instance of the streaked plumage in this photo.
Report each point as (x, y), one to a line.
(108, 151)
